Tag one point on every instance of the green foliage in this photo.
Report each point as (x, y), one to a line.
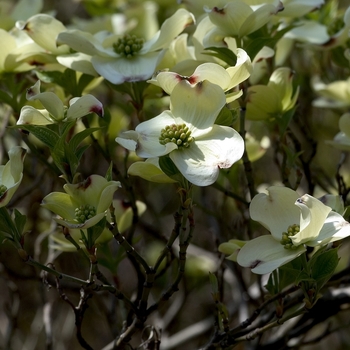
(65, 151)
(312, 277)
(222, 53)
(43, 133)
(227, 116)
(12, 228)
(67, 80)
(285, 276)
(258, 40)
(92, 234)
(169, 168)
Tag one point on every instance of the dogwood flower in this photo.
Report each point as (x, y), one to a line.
(297, 8)
(237, 19)
(17, 51)
(274, 99)
(127, 58)
(188, 134)
(342, 139)
(292, 8)
(84, 204)
(55, 110)
(43, 29)
(225, 78)
(333, 95)
(231, 248)
(123, 214)
(294, 222)
(11, 174)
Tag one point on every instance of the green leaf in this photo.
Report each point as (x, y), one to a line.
(226, 116)
(323, 265)
(289, 273)
(284, 120)
(256, 44)
(20, 221)
(339, 58)
(168, 166)
(109, 258)
(6, 98)
(109, 172)
(214, 283)
(72, 160)
(67, 80)
(83, 82)
(99, 7)
(58, 154)
(223, 53)
(80, 151)
(43, 133)
(66, 127)
(304, 277)
(84, 238)
(75, 141)
(7, 226)
(65, 161)
(94, 232)
(54, 77)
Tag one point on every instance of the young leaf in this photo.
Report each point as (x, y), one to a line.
(323, 265)
(223, 53)
(83, 82)
(94, 232)
(7, 226)
(72, 160)
(109, 172)
(225, 117)
(214, 283)
(256, 44)
(75, 141)
(20, 221)
(168, 167)
(43, 133)
(80, 151)
(289, 273)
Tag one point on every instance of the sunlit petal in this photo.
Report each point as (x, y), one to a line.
(276, 210)
(264, 254)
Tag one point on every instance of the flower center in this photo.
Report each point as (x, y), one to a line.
(178, 134)
(128, 45)
(3, 189)
(286, 240)
(84, 212)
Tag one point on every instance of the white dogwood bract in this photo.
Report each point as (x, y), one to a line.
(55, 111)
(227, 78)
(84, 204)
(210, 147)
(116, 60)
(294, 222)
(11, 174)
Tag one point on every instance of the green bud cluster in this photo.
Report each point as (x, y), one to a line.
(291, 231)
(178, 134)
(84, 212)
(128, 45)
(3, 189)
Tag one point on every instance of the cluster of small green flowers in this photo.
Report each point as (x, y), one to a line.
(84, 212)
(178, 134)
(291, 231)
(128, 45)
